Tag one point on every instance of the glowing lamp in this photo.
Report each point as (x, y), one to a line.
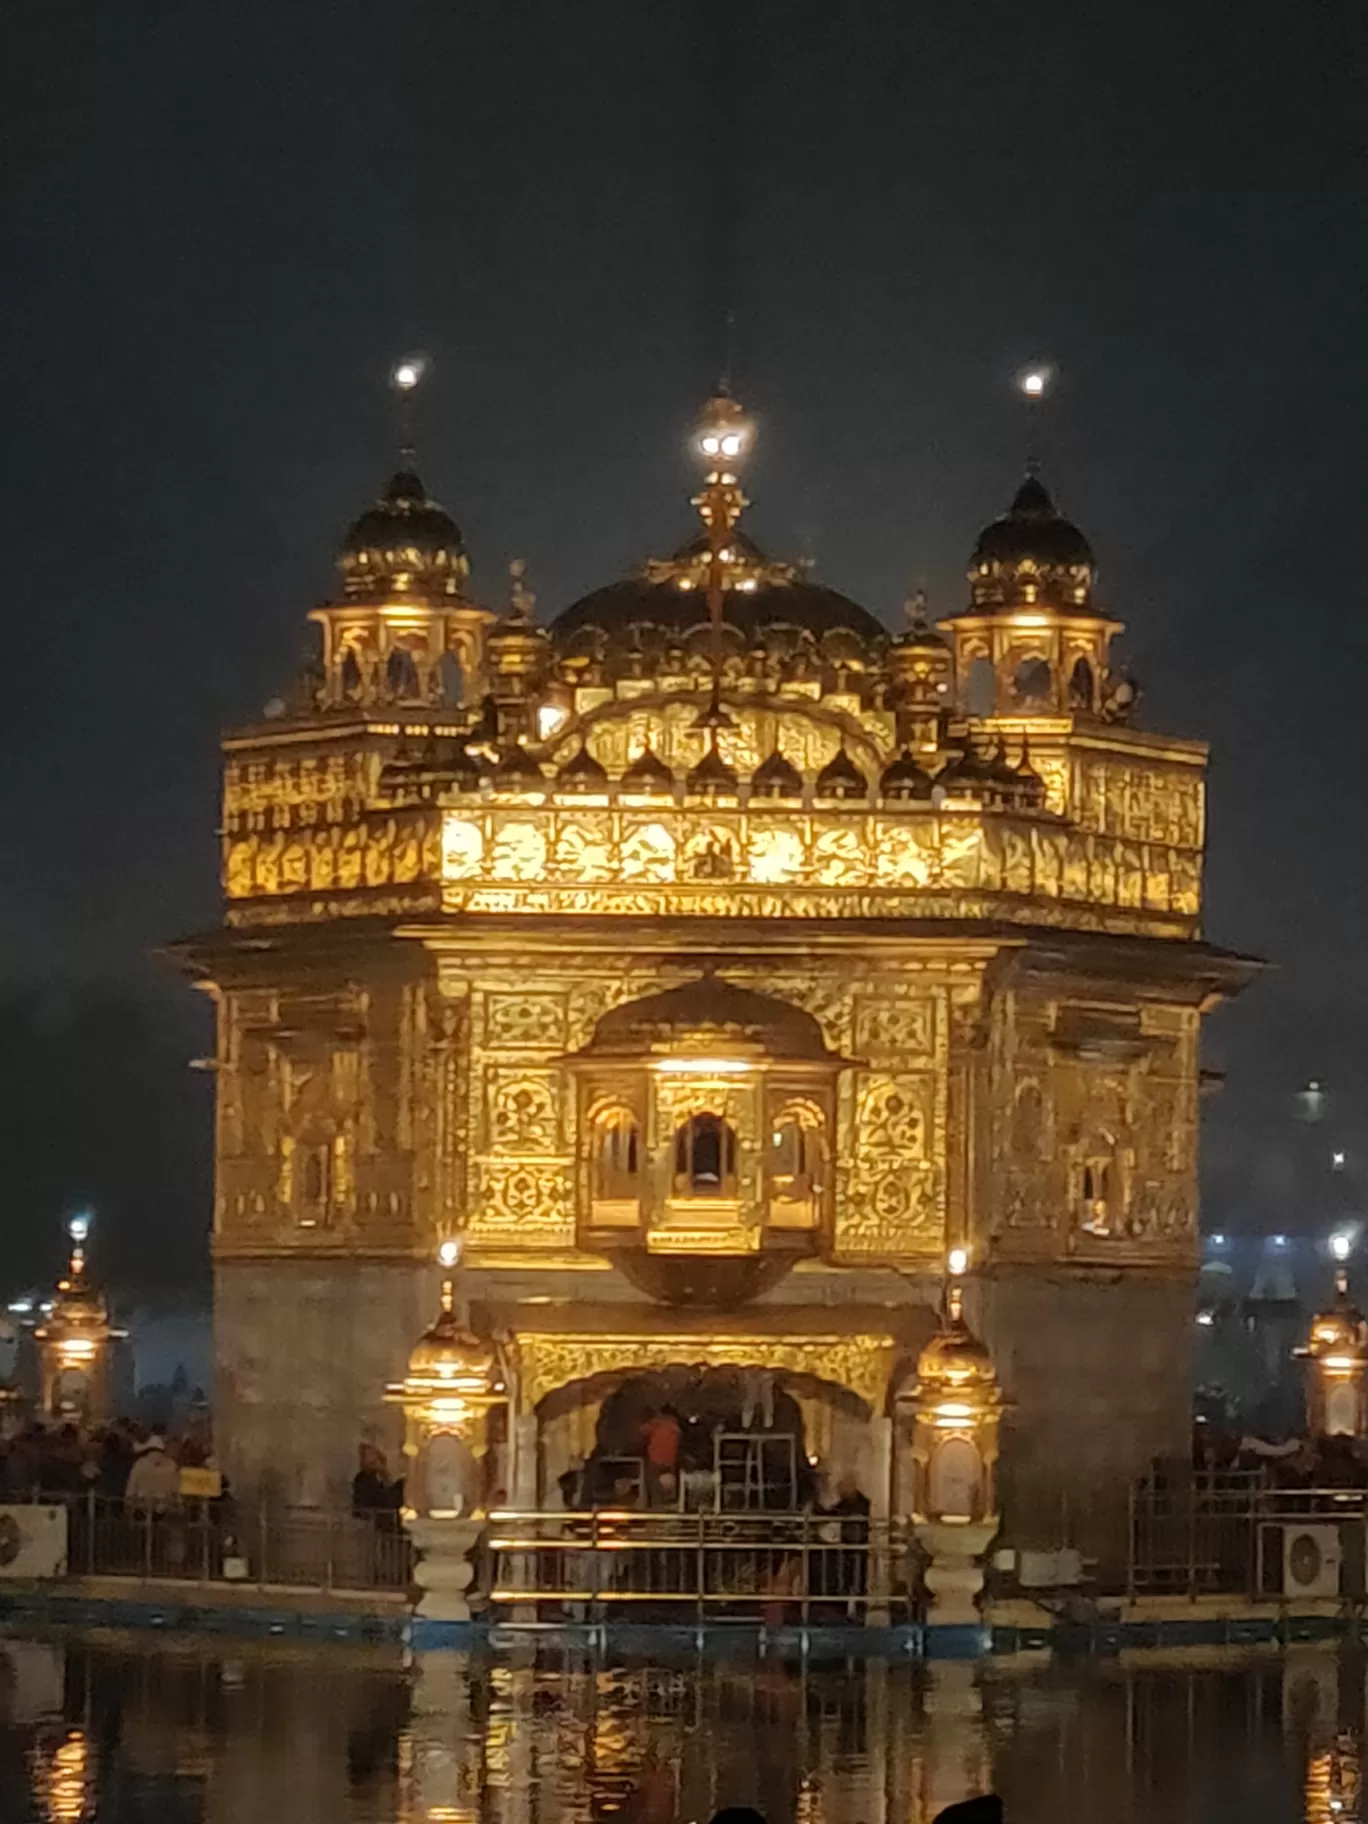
(1341, 1244)
(1034, 382)
(956, 1412)
(408, 373)
(724, 432)
(1336, 1354)
(957, 1262)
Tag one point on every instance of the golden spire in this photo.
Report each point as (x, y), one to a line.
(722, 440)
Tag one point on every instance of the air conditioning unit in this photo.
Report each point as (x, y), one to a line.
(1311, 1561)
(33, 1541)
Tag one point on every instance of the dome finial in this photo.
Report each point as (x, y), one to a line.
(521, 599)
(722, 439)
(406, 376)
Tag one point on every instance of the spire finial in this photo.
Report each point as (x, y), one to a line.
(406, 376)
(1034, 383)
(521, 600)
(916, 609)
(722, 440)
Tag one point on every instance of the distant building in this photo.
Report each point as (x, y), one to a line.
(711, 960)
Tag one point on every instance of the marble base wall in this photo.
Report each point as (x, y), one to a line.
(303, 1352)
(1098, 1370)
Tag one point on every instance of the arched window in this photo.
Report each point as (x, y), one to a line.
(616, 1166)
(1031, 684)
(401, 675)
(980, 688)
(705, 1158)
(1098, 1188)
(351, 675)
(797, 1167)
(1081, 685)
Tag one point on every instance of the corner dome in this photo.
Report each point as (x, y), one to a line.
(404, 545)
(709, 1011)
(1032, 553)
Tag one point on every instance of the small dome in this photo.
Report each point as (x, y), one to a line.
(963, 775)
(955, 1361)
(1031, 554)
(452, 1360)
(582, 773)
(705, 1011)
(517, 771)
(649, 776)
(405, 545)
(903, 778)
(1032, 527)
(712, 777)
(841, 778)
(776, 777)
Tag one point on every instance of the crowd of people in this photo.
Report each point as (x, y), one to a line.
(123, 1462)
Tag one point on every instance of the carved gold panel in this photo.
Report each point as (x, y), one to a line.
(860, 1363)
(530, 1021)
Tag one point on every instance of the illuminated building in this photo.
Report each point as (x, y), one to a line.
(712, 960)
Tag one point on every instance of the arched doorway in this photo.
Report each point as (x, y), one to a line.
(694, 1436)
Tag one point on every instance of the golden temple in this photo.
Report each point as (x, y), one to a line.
(710, 960)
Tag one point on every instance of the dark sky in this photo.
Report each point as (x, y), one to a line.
(222, 221)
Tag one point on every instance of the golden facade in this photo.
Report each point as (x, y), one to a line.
(710, 959)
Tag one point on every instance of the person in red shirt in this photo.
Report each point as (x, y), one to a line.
(660, 1441)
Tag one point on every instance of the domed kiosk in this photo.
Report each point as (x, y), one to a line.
(705, 1115)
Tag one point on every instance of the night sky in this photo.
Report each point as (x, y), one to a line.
(221, 222)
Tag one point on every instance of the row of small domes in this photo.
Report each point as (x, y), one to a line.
(967, 773)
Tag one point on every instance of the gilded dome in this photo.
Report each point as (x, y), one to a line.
(1031, 552)
(712, 1012)
(770, 605)
(404, 545)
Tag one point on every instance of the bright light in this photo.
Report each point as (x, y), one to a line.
(957, 1261)
(449, 1252)
(1034, 382)
(711, 445)
(1206, 1319)
(78, 1226)
(732, 443)
(550, 717)
(1277, 1241)
(408, 373)
(702, 1067)
(1218, 1241)
(1341, 1244)
(21, 1307)
(1337, 1161)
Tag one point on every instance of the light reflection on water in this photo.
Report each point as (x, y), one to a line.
(161, 1731)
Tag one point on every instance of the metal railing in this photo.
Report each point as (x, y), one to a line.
(1221, 1533)
(305, 1548)
(776, 1568)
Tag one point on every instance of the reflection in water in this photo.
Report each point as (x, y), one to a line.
(197, 1732)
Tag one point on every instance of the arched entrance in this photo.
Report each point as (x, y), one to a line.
(697, 1436)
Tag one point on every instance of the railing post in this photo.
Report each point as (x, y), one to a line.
(701, 1569)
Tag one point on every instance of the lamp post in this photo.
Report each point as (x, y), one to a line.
(453, 1382)
(73, 1339)
(956, 1409)
(1336, 1352)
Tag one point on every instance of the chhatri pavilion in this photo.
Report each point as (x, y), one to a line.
(710, 961)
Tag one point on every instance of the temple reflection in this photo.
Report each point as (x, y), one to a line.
(205, 1731)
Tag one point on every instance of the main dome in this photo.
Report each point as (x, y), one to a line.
(766, 603)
